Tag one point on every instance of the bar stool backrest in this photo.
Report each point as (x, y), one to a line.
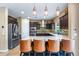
(25, 46)
(39, 45)
(53, 45)
(67, 45)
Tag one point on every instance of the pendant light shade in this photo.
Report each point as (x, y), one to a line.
(57, 11)
(45, 11)
(34, 11)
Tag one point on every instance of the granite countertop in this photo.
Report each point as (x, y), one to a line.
(53, 37)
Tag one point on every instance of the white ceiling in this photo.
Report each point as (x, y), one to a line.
(16, 8)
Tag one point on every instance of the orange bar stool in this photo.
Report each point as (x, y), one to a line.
(25, 46)
(53, 47)
(39, 47)
(67, 47)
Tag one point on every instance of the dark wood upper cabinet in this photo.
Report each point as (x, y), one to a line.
(64, 22)
(12, 20)
(49, 26)
(35, 24)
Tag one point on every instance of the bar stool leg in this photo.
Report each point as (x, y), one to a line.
(43, 54)
(29, 53)
(72, 53)
(49, 53)
(58, 54)
(21, 54)
(65, 53)
(34, 53)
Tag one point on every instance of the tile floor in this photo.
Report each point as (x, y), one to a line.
(12, 52)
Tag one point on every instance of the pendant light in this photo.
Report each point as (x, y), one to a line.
(45, 14)
(34, 11)
(46, 11)
(57, 11)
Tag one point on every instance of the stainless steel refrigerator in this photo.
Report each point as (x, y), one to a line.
(13, 35)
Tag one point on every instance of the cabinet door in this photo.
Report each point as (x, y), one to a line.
(64, 22)
(49, 26)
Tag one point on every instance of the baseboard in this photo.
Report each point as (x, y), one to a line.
(4, 50)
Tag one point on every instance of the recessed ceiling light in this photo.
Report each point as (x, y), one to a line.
(22, 12)
(28, 17)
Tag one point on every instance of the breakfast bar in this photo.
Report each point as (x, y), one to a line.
(48, 45)
(53, 37)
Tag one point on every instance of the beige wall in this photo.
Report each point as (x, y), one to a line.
(3, 31)
(73, 10)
